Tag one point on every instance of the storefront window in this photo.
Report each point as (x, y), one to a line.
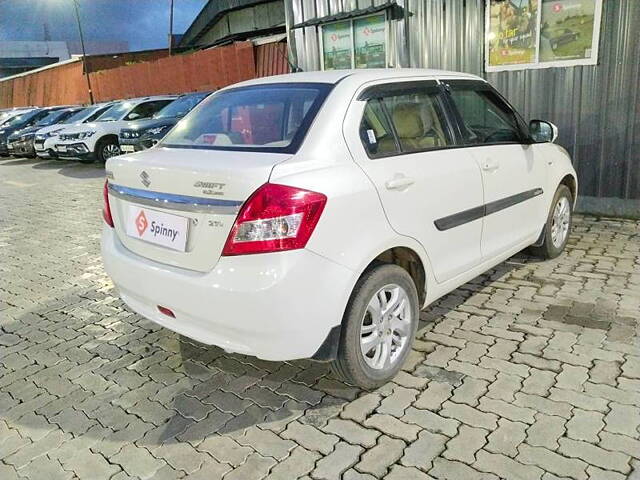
(542, 33)
(358, 43)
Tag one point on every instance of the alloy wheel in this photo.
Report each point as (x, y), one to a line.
(110, 150)
(560, 222)
(385, 327)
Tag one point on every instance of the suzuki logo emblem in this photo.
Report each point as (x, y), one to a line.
(141, 222)
(146, 180)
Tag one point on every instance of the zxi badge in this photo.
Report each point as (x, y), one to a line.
(144, 177)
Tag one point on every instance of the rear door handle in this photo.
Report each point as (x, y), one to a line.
(399, 182)
(490, 164)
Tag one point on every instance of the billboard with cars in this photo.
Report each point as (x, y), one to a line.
(525, 34)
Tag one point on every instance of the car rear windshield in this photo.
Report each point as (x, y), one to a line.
(262, 118)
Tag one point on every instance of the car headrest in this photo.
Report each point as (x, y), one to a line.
(407, 120)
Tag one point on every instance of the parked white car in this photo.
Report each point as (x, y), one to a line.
(46, 138)
(98, 140)
(313, 215)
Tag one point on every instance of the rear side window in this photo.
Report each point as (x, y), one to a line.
(375, 131)
(485, 118)
(404, 122)
(268, 118)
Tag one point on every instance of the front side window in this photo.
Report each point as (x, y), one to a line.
(485, 118)
(268, 118)
(404, 123)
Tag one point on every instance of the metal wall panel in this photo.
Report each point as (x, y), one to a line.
(63, 85)
(596, 107)
(271, 59)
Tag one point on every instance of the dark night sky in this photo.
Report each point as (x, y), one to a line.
(143, 23)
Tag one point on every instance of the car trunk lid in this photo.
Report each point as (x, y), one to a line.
(177, 206)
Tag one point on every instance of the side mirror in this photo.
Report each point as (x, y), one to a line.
(542, 132)
(133, 116)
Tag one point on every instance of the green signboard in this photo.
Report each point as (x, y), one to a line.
(337, 45)
(370, 40)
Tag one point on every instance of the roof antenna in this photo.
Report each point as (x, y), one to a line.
(294, 68)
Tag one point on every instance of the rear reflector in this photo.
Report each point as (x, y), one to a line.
(106, 208)
(166, 311)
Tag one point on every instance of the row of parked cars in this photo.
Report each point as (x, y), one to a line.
(95, 132)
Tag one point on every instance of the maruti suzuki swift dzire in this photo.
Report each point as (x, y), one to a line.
(313, 215)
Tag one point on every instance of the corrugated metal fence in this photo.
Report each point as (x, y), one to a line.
(62, 85)
(271, 59)
(65, 84)
(596, 108)
(203, 70)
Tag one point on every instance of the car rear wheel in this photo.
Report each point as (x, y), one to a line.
(558, 226)
(106, 149)
(378, 327)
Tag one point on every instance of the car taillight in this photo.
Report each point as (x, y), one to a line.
(275, 218)
(106, 208)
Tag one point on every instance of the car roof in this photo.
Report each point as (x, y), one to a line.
(364, 75)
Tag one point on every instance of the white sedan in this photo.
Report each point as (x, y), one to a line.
(313, 215)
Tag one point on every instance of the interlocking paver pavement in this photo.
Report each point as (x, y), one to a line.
(530, 371)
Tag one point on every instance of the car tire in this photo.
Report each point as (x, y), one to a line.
(373, 347)
(105, 148)
(558, 226)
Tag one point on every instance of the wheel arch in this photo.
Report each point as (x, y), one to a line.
(409, 260)
(403, 256)
(571, 183)
(105, 137)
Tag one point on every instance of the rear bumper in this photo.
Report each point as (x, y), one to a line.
(278, 306)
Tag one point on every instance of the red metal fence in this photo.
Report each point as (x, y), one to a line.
(271, 59)
(55, 86)
(203, 70)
